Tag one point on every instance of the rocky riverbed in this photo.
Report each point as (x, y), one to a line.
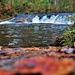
(10, 56)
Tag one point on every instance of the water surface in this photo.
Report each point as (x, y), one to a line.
(24, 35)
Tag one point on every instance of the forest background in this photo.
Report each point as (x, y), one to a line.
(9, 8)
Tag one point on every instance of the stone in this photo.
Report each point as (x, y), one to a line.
(1, 65)
(4, 57)
(1, 48)
(11, 53)
(64, 49)
(0, 20)
(74, 44)
(70, 50)
(21, 20)
(15, 56)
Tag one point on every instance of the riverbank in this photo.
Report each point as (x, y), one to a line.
(32, 52)
(13, 58)
(5, 18)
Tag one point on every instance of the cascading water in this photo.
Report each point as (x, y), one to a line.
(36, 20)
(61, 18)
(35, 30)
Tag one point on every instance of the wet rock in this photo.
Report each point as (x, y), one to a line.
(74, 51)
(28, 73)
(63, 50)
(69, 50)
(3, 54)
(4, 57)
(10, 53)
(1, 65)
(0, 20)
(72, 72)
(21, 20)
(1, 48)
(14, 56)
(59, 51)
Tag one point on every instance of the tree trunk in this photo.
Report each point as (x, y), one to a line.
(54, 2)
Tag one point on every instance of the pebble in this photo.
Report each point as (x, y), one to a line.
(64, 49)
(4, 57)
(21, 20)
(1, 48)
(15, 56)
(1, 65)
(69, 50)
(0, 20)
(10, 53)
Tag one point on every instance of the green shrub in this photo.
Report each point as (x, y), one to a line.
(69, 37)
(35, 6)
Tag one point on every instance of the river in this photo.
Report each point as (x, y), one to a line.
(23, 35)
(36, 30)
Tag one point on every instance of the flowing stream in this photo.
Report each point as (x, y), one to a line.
(29, 35)
(60, 18)
(36, 30)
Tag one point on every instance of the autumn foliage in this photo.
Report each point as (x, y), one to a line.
(13, 7)
(41, 66)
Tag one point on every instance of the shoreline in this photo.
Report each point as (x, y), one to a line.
(13, 59)
(4, 19)
(36, 51)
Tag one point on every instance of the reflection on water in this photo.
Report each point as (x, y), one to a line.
(29, 35)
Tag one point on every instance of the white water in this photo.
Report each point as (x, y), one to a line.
(36, 20)
(6, 22)
(54, 19)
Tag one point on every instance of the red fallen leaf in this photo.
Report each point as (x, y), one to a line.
(38, 65)
(2, 72)
(41, 66)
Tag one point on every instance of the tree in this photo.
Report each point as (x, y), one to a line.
(54, 2)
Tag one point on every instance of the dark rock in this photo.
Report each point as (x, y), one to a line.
(1, 48)
(28, 74)
(3, 54)
(74, 52)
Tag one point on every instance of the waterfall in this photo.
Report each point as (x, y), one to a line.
(36, 20)
(60, 18)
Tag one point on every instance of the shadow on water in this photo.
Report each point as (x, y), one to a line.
(23, 35)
